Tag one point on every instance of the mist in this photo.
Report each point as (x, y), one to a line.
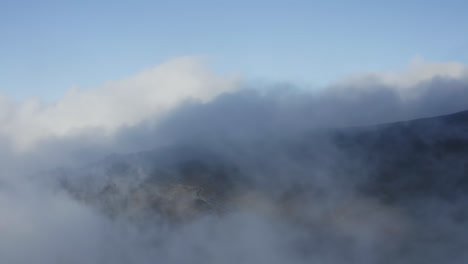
(179, 164)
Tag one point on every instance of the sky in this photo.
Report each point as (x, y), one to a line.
(48, 47)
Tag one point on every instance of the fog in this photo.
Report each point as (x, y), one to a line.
(182, 165)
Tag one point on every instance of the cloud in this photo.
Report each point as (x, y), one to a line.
(116, 104)
(426, 89)
(259, 136)
(160, 93)
(419, 70)
(182, 100)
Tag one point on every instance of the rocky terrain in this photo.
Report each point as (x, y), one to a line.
(393, 163)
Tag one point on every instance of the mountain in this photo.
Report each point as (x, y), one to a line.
(426, 157)
(396, 163)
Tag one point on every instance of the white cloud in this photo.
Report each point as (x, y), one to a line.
(108, 107)
(403, 82)
(153, 92)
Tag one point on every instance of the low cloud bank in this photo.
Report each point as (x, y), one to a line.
(282, 188)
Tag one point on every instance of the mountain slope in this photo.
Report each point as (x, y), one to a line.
(391, 162)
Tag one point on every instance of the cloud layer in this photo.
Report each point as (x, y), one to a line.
(116, 104)
(181, 103)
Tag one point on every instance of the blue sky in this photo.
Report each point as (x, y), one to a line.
(49, 46)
